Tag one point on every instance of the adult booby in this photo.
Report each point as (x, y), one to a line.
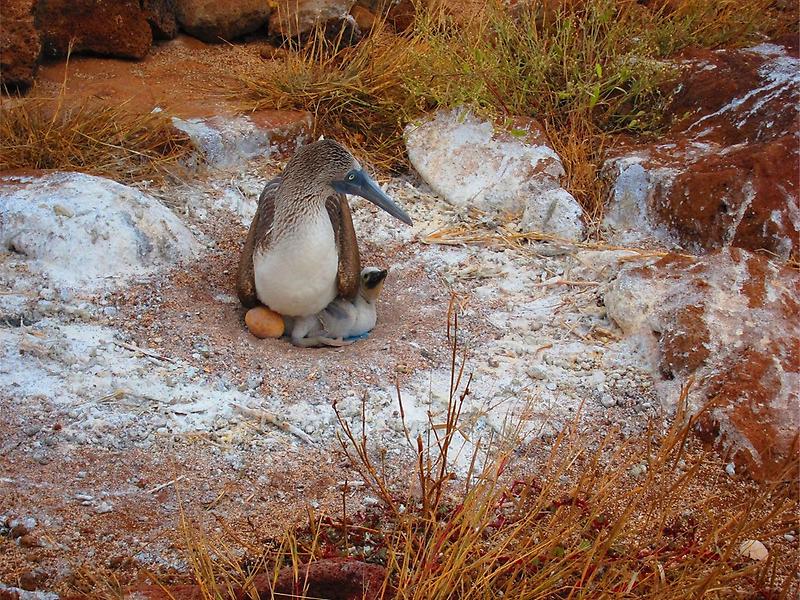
(301, 250)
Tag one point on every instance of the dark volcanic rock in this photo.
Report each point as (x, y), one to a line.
(106, 27)
(213, 21)
(19, 44)
(161, 16)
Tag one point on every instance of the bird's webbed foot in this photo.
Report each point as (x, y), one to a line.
(320, 340)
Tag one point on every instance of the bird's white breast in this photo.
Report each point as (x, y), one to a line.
(297, 274)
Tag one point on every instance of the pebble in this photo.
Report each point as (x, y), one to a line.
(730, 469)
(754, 549)
(103, 508)
(788, 537)
(551, 385)
(537, 372)
(32, 429)
(637, 470)
(29, 541)
(607, 400)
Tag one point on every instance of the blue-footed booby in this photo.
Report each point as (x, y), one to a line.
(343, 321)
(301, 250)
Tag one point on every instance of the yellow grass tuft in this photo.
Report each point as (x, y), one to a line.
(90, 137)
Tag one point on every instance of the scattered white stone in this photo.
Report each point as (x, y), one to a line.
(637, 471)
(103, 508)
(754, 550)
(730, 469)
(115, 231)
(607, 400)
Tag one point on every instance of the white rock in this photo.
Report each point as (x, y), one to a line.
(607, 400)
(556, 212)
(114, 232)
(470, 164)
(754, 549)
(294, 17)
(225, 141)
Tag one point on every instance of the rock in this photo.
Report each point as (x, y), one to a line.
(730, 321)
(264, 323)
(753, 549)
(339, 578)
(295, 17)
(116, 231)
(726, 173)
(555, 212)
(470, 163)
(608, 401)
(109, 28)
(161, 16)
(224, 141)
(364, 17)
(19, 45)
(397, 13)
(213, 21)
(29, 541)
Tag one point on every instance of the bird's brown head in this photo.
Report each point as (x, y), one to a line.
(325, 165)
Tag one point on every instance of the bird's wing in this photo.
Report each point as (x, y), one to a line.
(259, 229)
(347, 244)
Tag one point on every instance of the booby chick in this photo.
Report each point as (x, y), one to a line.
(301, 251)
(343, 321)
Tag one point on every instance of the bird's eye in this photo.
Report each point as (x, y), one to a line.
(351, 177)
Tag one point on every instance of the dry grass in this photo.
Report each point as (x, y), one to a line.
(565, 522)
(584, 69)
(90, 137)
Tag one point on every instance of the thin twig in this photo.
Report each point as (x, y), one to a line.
(270, 418)
(150, 353)
(158, 488)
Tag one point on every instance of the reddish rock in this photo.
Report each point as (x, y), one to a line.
(213, 21)
(19, 44)
(399, 14)
(161, 16)
(110, 28)
(727, 172)
(730, 321)
(333, 579)
(746, 198)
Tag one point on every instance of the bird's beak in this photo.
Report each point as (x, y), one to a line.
(363, 185)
